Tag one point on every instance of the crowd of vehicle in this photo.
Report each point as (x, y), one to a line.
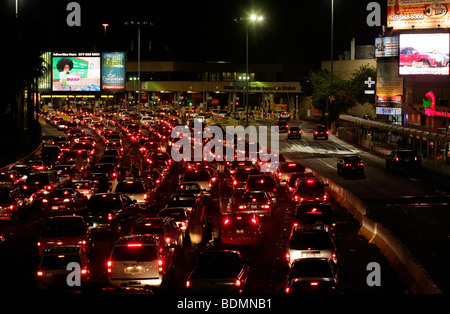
(108, 172)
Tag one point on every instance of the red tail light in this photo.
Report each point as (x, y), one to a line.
(109, 265)
(40, 273)
(237, 283)
(110, 216)
(288, 256)
(314, 283)
(160, 264)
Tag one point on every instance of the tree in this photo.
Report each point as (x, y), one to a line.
(338, 95)
(334, 96)
(358, 85)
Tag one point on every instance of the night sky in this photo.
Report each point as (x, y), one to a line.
(293, 31)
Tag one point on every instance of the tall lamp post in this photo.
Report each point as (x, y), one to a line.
(331, 63)
(251, 19)
(139, 25)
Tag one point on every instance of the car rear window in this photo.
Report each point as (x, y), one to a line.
(4, 196)
(101, 203)
(218, 265)
(314, 187)
(148, 229)
(310, 240)
(59, 261)
(130, 187)
(260, 182)
(254, 198)
(64, 228)
(136, 253)
(292, 167)
(311, 268)
(197, 176)
(243, 173)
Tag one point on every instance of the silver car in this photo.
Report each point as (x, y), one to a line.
(311, 241)
(136, 190)
(202, 177)
(140, 262)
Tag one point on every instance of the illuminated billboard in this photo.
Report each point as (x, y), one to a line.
(45, 81)
(386, 47)
(420, 14)
(424, 54)
(113, 70)
(76, 72)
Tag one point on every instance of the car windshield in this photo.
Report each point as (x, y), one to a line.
(311, 268)
(59, 261)
(134, 253)
(218, 265)
(64, 228)
(310, 240)
(104, 202)
(130, 187)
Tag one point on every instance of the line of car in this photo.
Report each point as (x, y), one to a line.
(149, 242)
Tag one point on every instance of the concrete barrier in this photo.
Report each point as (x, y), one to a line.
(409, 270)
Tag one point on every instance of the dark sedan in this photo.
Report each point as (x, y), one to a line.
(350, 164)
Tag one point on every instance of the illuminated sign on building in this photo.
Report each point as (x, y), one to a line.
(388, 111)
(429, 103)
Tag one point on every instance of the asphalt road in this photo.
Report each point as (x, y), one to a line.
(414, 205)
(268, 268)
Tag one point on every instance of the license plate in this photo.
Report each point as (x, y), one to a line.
(407, 159)
(240, 231)
(55, 207)
(254, 206)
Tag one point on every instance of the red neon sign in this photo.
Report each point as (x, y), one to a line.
(431, 112)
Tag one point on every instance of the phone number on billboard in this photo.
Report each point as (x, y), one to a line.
(418, 16)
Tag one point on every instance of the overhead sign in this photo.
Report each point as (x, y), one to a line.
(418, 14)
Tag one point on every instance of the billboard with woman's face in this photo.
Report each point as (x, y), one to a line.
(76, 72)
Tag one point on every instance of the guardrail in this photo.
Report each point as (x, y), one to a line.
(409, 270)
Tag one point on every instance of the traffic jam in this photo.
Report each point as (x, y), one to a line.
(132, 220)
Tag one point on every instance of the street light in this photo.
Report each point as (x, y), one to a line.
(138, 25)
(251, 19)
(105, 25)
